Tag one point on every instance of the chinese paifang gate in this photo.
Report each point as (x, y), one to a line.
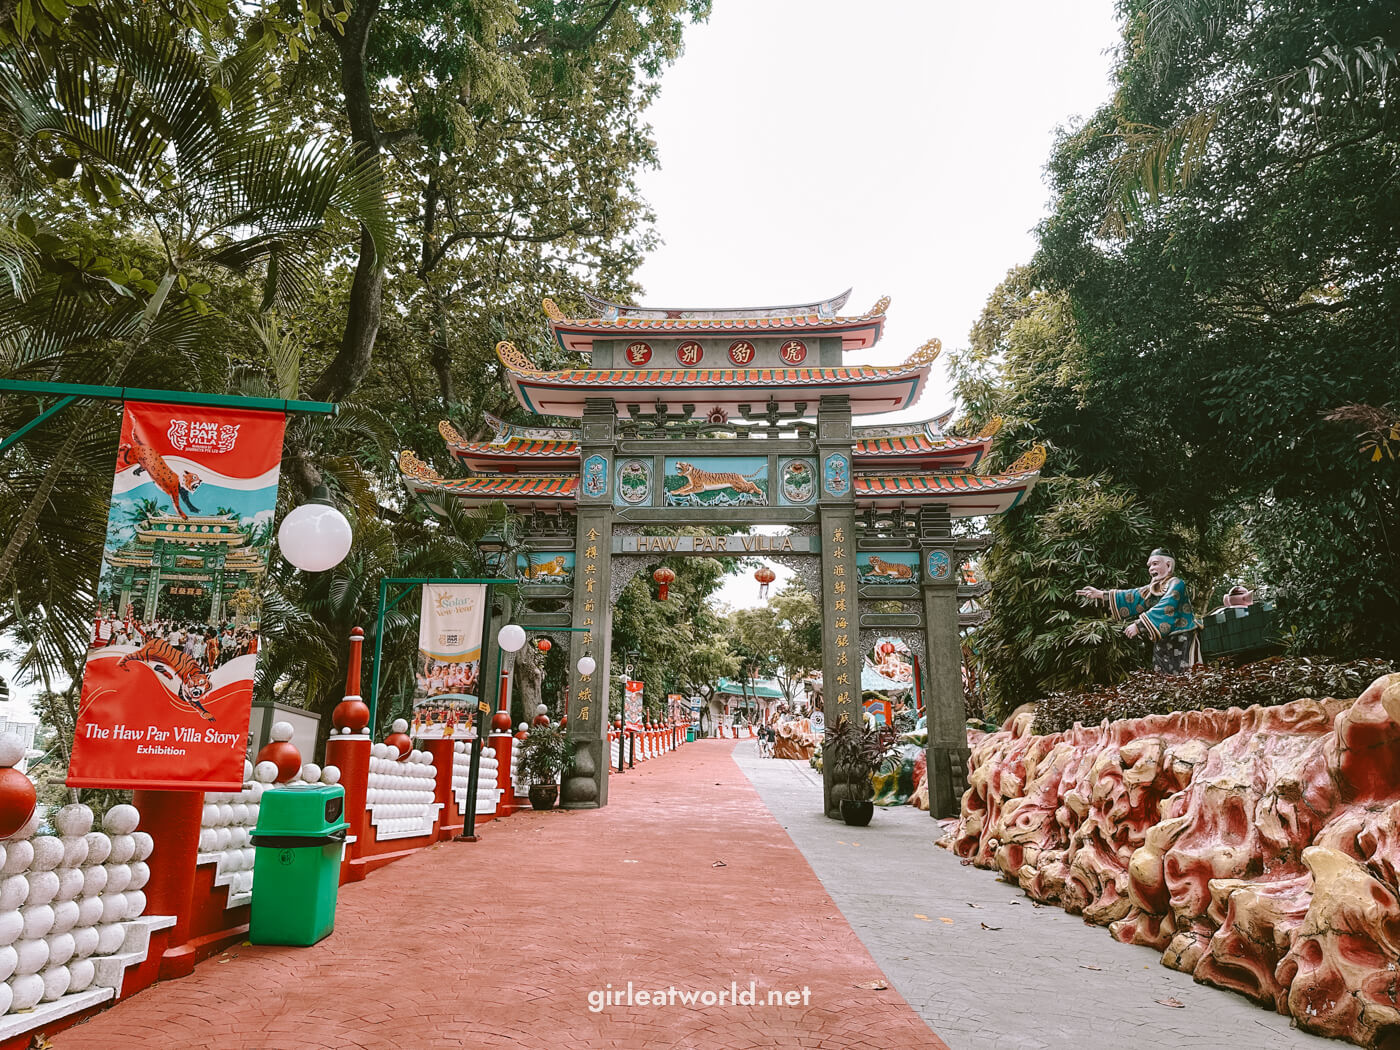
(739, 417)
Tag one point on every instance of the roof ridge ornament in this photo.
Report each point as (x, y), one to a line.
(993, 427)
(881, 305)
(410, 464)
(552, 311)
(1029, 463)
(450, 433)
(513, 359)
(926, 354)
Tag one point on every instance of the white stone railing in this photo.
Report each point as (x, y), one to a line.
(70, 915)
(400, 793)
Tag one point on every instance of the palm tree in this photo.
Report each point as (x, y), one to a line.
(178, 138)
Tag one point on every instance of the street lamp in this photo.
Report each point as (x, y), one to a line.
(315, 536)
(587, 665)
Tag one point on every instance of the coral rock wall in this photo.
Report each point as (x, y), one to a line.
(1259, 850)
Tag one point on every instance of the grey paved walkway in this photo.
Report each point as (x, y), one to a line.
(1042, 979)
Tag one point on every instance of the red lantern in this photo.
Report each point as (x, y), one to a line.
(544, 645)
(665, 577)
(764, 576)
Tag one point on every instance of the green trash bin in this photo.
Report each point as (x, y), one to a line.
(690, 734)
(296, 871)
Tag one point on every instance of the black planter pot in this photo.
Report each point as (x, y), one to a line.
(856, 814)
(543, 796)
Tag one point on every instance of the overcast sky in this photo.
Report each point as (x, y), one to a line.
(808, 146)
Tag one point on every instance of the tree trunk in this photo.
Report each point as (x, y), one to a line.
(351, 363)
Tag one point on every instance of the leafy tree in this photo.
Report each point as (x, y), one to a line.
(135, 119)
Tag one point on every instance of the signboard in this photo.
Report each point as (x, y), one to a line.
(165, 700)
(632, 705)
(447, 684)
(745, 544)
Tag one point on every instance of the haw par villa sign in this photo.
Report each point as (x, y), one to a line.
(716, 544)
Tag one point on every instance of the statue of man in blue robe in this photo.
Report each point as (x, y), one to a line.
(1161, 611)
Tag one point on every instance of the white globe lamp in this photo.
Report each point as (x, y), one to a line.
(587, 665)
(315, 536)
(511, 637)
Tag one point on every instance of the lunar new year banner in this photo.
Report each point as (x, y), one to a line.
(168, 682)
(449, 659)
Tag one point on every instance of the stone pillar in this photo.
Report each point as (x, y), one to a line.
(585, 782)
(840, 624)
(216, 588)
(153, 580)
(943, 698)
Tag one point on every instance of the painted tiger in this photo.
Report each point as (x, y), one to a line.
(143, 457)
(165, 659)
(698, 481)
(880, 567)
(553, 567)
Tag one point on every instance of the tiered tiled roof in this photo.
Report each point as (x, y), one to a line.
(524, 488)
(577, 333)
(924, 445)
(871, 388)
(823, 307)
(965, 495)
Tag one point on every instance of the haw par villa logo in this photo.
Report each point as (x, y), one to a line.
(190, 435)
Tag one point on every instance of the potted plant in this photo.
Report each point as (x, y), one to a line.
(544, 753)
(857, 752)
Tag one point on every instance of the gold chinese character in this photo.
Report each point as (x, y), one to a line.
(592, 552)
(838, 570)
(592, 534)
(590, 568)
(843, 640)
(741, 353)
(840, 623)
(587, 606)
(585, 693)
(838, 552)
(583, 713)
(839, 536)
(588, 586)
(840, 587)
(841, 660)
(588, 622)
(843, 679)
(843, 698)
(840, 605)
(794, 351)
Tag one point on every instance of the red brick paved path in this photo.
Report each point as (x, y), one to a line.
(578, 900)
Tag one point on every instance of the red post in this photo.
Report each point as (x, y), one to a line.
(347, 749)
(503, 744)
(172, 820)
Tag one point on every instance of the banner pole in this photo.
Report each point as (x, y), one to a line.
(482, 708)
(378, 650)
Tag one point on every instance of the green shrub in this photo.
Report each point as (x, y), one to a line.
(1213, 687)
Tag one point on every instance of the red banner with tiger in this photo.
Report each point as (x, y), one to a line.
(168, 681)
